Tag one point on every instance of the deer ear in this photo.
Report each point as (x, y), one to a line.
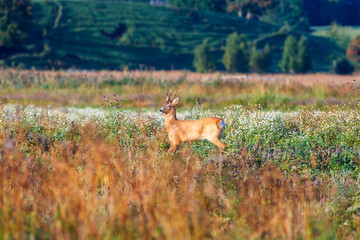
(175, 101)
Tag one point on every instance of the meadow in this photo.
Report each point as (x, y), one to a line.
(290, 170)
(146, 89)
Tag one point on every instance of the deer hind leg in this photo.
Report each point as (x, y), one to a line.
(218, 143)
(214, 134)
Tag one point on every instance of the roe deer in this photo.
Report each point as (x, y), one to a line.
(180, 131)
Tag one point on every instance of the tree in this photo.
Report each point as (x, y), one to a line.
(289, 54)
(260, 59)
(15, 20)
(342, 66)
(210, 5)
(292, 13)
(258, 7)
(203, 61)
(353, 50)
(285, 12)
(303, 58)
(236, 56)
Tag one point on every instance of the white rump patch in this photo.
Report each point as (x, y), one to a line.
(222, 124)
(222, 127)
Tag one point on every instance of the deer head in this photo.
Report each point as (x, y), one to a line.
(171, 100)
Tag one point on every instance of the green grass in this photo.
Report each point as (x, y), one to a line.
(312, 140)
(157, 37)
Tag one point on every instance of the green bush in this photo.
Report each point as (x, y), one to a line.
(292, 13)
(342, 66)
(289, 54)
(303, 61)
(260, 60)
(203, 61)
(236, 57)
(296, 56)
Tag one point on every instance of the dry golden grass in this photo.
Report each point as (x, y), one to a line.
(147, 89)
(88, 187)
(297, 79)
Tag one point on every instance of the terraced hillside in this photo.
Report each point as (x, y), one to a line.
(116, 35)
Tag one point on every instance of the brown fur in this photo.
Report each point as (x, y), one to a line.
(187, 131)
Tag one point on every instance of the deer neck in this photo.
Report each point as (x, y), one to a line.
(170, 118)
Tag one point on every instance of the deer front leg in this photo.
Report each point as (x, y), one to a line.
(173, 148)
(174, 145)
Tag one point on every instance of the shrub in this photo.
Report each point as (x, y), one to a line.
(236, 57)
(296, 55)
(260, 60)
(303, 58)
(203, 61)
(353, 50)
(289, 54)
(342, 66)
(292, 12)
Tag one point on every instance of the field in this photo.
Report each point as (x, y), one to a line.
(95, 164)
(141, 90)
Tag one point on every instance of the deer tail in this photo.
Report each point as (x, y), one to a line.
(221, 126)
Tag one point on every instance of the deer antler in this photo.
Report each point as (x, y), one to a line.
(168, 95)
(176, 95)
(171, 95)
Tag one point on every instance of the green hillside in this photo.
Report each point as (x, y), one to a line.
(83, 34)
